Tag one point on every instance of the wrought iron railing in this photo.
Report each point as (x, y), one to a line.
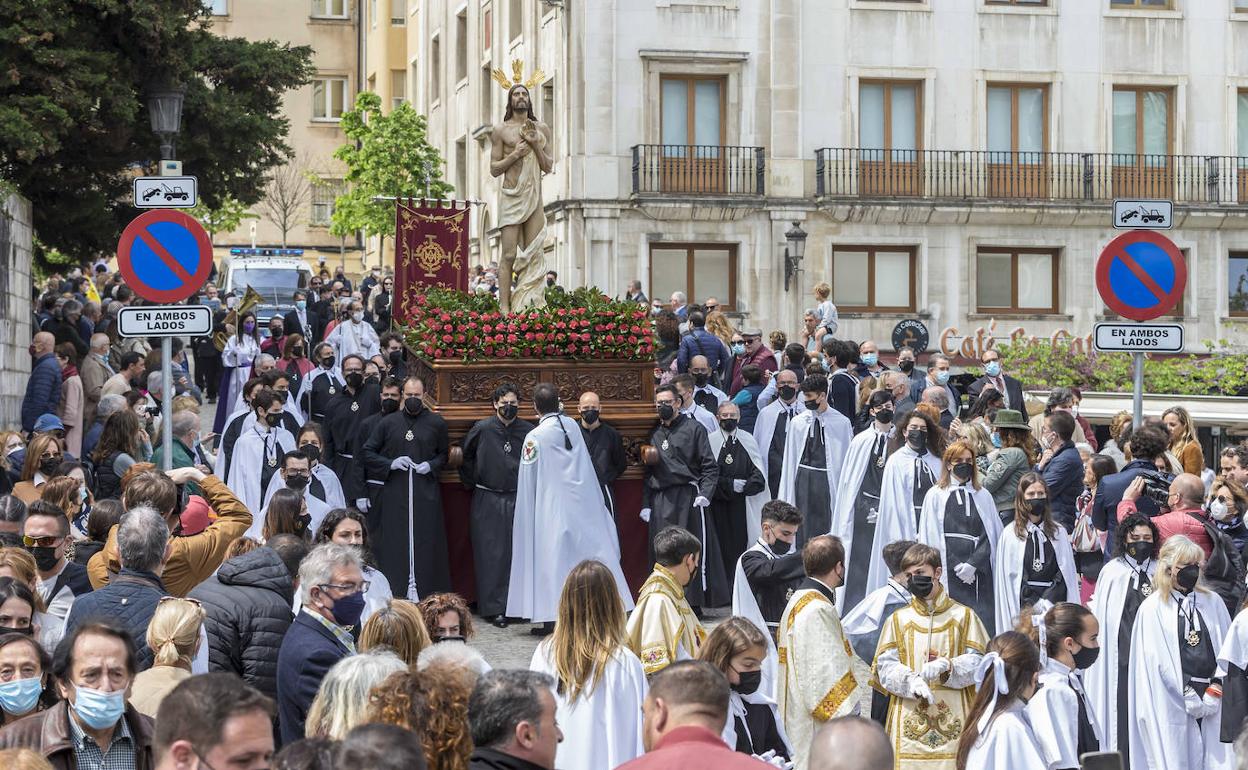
(698, 169)
(1040, 176)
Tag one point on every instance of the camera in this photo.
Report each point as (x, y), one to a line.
(1157, 487)
(152, 411)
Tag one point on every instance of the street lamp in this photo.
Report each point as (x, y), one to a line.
(164, 106)
(793, 252)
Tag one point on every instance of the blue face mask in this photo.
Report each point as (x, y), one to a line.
(942, 378)
(870, 359)
(99, 710)
(738, 349)
(992, 368)
(302, 304)
(348, 610)
(20, 697)
(996, 440)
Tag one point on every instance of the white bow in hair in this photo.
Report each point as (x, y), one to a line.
(1001, 685)
(1042, 634)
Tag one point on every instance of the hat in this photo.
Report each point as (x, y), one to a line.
(48, 422)
(194, 516)
(1010, 418)
(752, 332)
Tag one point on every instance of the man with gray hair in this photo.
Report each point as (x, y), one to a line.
(264, 363)
(131, 597)
(95, 371)
(108, 406)
(938, 397)
(185, 438)
(512, 716)
(851, 743)
(331, 588)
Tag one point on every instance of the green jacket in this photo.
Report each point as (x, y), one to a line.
(182, 458)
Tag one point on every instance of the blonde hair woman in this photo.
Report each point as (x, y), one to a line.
(717, 324)
(738, 648)
(398, 627)
(601, 683)
(1174, 711)
(1183, 442)
(173, 635)
(342, 701)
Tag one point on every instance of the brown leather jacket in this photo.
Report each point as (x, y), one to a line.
(48, 733)
(194, 558)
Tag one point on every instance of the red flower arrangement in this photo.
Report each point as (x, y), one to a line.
(453, 325)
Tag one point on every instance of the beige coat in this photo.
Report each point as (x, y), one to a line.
(94, 375)
(71, 414)
(151, 686)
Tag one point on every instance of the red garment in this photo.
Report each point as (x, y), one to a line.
(69, 371)
(1175, 523)
(763, 358)
(693, 748)
(1088, 433)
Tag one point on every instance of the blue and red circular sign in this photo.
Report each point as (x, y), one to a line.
(164, 255)
(1141, 275)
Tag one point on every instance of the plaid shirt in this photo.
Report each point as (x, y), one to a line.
(121, 752)
(340, 633)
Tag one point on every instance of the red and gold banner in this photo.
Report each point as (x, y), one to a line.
(431, 249)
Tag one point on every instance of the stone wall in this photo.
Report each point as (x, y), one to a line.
(15, 316)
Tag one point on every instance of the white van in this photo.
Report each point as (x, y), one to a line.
(275, 278)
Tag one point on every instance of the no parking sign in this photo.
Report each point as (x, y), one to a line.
(164, 255)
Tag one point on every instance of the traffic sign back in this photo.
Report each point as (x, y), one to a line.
(164, 255)
(1141, 275)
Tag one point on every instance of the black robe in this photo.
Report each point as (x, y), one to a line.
(966, 541)
(343, 414)
(728, 513)
(775, 450)
(362, 477)
(772, 580)
(758, 732)
(866, 503)
(685, 470)
(606, 451)
(810, 486)
(323, 389)
(1138, 589)
(424, 439)
(491, 468)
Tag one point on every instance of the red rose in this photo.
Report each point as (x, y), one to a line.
(446, 317)
(632, 340)
(489, 351)
(550, 350)
(459, 338)
(500, 353)
(512, 338)
(540, 337)
(529, 336)
(446, 338)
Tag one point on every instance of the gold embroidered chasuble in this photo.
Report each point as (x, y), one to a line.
(663, 628)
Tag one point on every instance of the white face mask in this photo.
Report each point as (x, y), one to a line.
(1219, 510)
(357, 316)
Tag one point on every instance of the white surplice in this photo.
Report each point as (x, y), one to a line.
(254, 450)
(765, 428)
(1007, 570)
(351, 338)
(1008, 743)
(853, 470)
(321, 472)
(897, 520)
(1054, 714)
(239, 354)
(602, 729)
(837, 434)
(560, 520)
(1117, 577)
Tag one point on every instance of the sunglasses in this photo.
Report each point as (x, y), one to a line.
(41, 542)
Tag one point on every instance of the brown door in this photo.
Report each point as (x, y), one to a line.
(692, 156)
(890, 119)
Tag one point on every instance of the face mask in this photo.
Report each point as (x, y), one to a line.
(389, 405)
(357, 316)
(45, 558)
(27, 631)
(884, 416)
(312, 451)
(917, 439)
(441, 639)
(738, 349)
(1086, 657)
(826, 366)
(297, 481)
(348, 610)
(15, 448)
(996, 440)
(870, 359)
(906, 366)
(750, 681)
(1218, 510)
(99, 710)
(812, 404)
(550, 281)
(942, 378)
(700, 379)
(49, 466)
(1140, 550)
(963, 471)
(729, 425)
(590, 416)
(327, 363)
(1187, 577)
(396, 357)
(301, 304)
(412, 405)
(787, 392)
(249, 326)
(666, 412)
(992, 368)
(920, 585)
(273, 420)
(508, 411)
(275, 331)
(355, 380)
(20, 696)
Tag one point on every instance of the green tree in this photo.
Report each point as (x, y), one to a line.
(74, 125)
(386, 156)
(224, 217)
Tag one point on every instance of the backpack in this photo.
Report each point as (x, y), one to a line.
(1224, 570)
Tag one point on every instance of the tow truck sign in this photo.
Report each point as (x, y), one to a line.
(166, 192)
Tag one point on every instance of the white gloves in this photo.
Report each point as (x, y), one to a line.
(934, 669)
(1192, 704)
(361, 504)
(403, 463)
(701, 502)
(421, 468)
(738, 485)
(920, 689)
(965, 573)
(1212, 703)
(645, 515)
(770, 758)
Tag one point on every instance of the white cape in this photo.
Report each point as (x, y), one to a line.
(753, 503)
(868, 616)
(837, 434)
(765, 429)
(306, 383)
(932, 524)
(560, 521)
(1009, 743)
(603, 729)
(897, 520)
(704, 418)
(249, 419)
(1007, 572)
(317, 509)
(746, 606)
(1054, 715)
(1234, 650)
(852, 472)
(248, 464)
(334, 497)
(1101, 680)
(1163, 736)
(736, 706)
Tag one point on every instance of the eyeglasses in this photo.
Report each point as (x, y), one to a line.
(362, 587)
(196, 602)
(50, 541)
(738, 342)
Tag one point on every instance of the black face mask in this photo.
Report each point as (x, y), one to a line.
(449, 639)
(750, 681)
(787, 392)
(963, 471)
(906, 366)
(920, 585)
(729, 425)
(27, 631)
(45, 557)
(550, 281)
(1187, 577)
(1038, 507)
(328, 363)
(666, 412)
(1086, 657)
(701, 379)
(296, 352)
(49, 466)
(917, 439)
(1140, 550)
(372, 379)
(590, 416)
(273, 419)
(812, 404)
(312, 451)
(509, 411)
(396, 357)
(354, 380)
(389, 405)
(297, 481)
(884, 416)
(412, 405)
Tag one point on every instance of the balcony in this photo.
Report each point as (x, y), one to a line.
(698, 170)
(1205, 180)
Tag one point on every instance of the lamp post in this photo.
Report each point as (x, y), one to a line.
(793, 252)
(164, 106)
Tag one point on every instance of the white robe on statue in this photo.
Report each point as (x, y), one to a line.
(254, 451)
(351, 338)
(897, 519)
(601, 729)
(765, 427)
(1054, 715)
(753, 503)
(560, 520)
(837, 433)
(852, 472)
(1163, 735)
(1101, 679)
(1007, 572)
(1008, 743)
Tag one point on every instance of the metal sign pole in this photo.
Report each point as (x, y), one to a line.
(1137, 395)
(166, 412)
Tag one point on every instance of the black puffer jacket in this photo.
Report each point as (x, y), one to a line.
(248, 606)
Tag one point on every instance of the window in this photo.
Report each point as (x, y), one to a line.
(217, 7)
(1146, 4)
(1237, 283)
(461, 169)
(329, 98)
(412, 81)
(323, 198)
(329, 9)
(1010, 280)
(1017, 2)
(1142, 139)
(461, 46)
(548, 104)
(398, 88)
(874, 278)
(372, 13)
(700, 270)
(1241, 121)
(487, 29)
(1241, 6)
(435, 69)
(1017, 118)
(515, 21)
(398, 12)
(487, 95)
(692, 110)
(889, 118)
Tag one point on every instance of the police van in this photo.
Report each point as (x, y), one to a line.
(274, 274)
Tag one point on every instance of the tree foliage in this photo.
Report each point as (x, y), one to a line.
(74, 125)
(223, 217)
